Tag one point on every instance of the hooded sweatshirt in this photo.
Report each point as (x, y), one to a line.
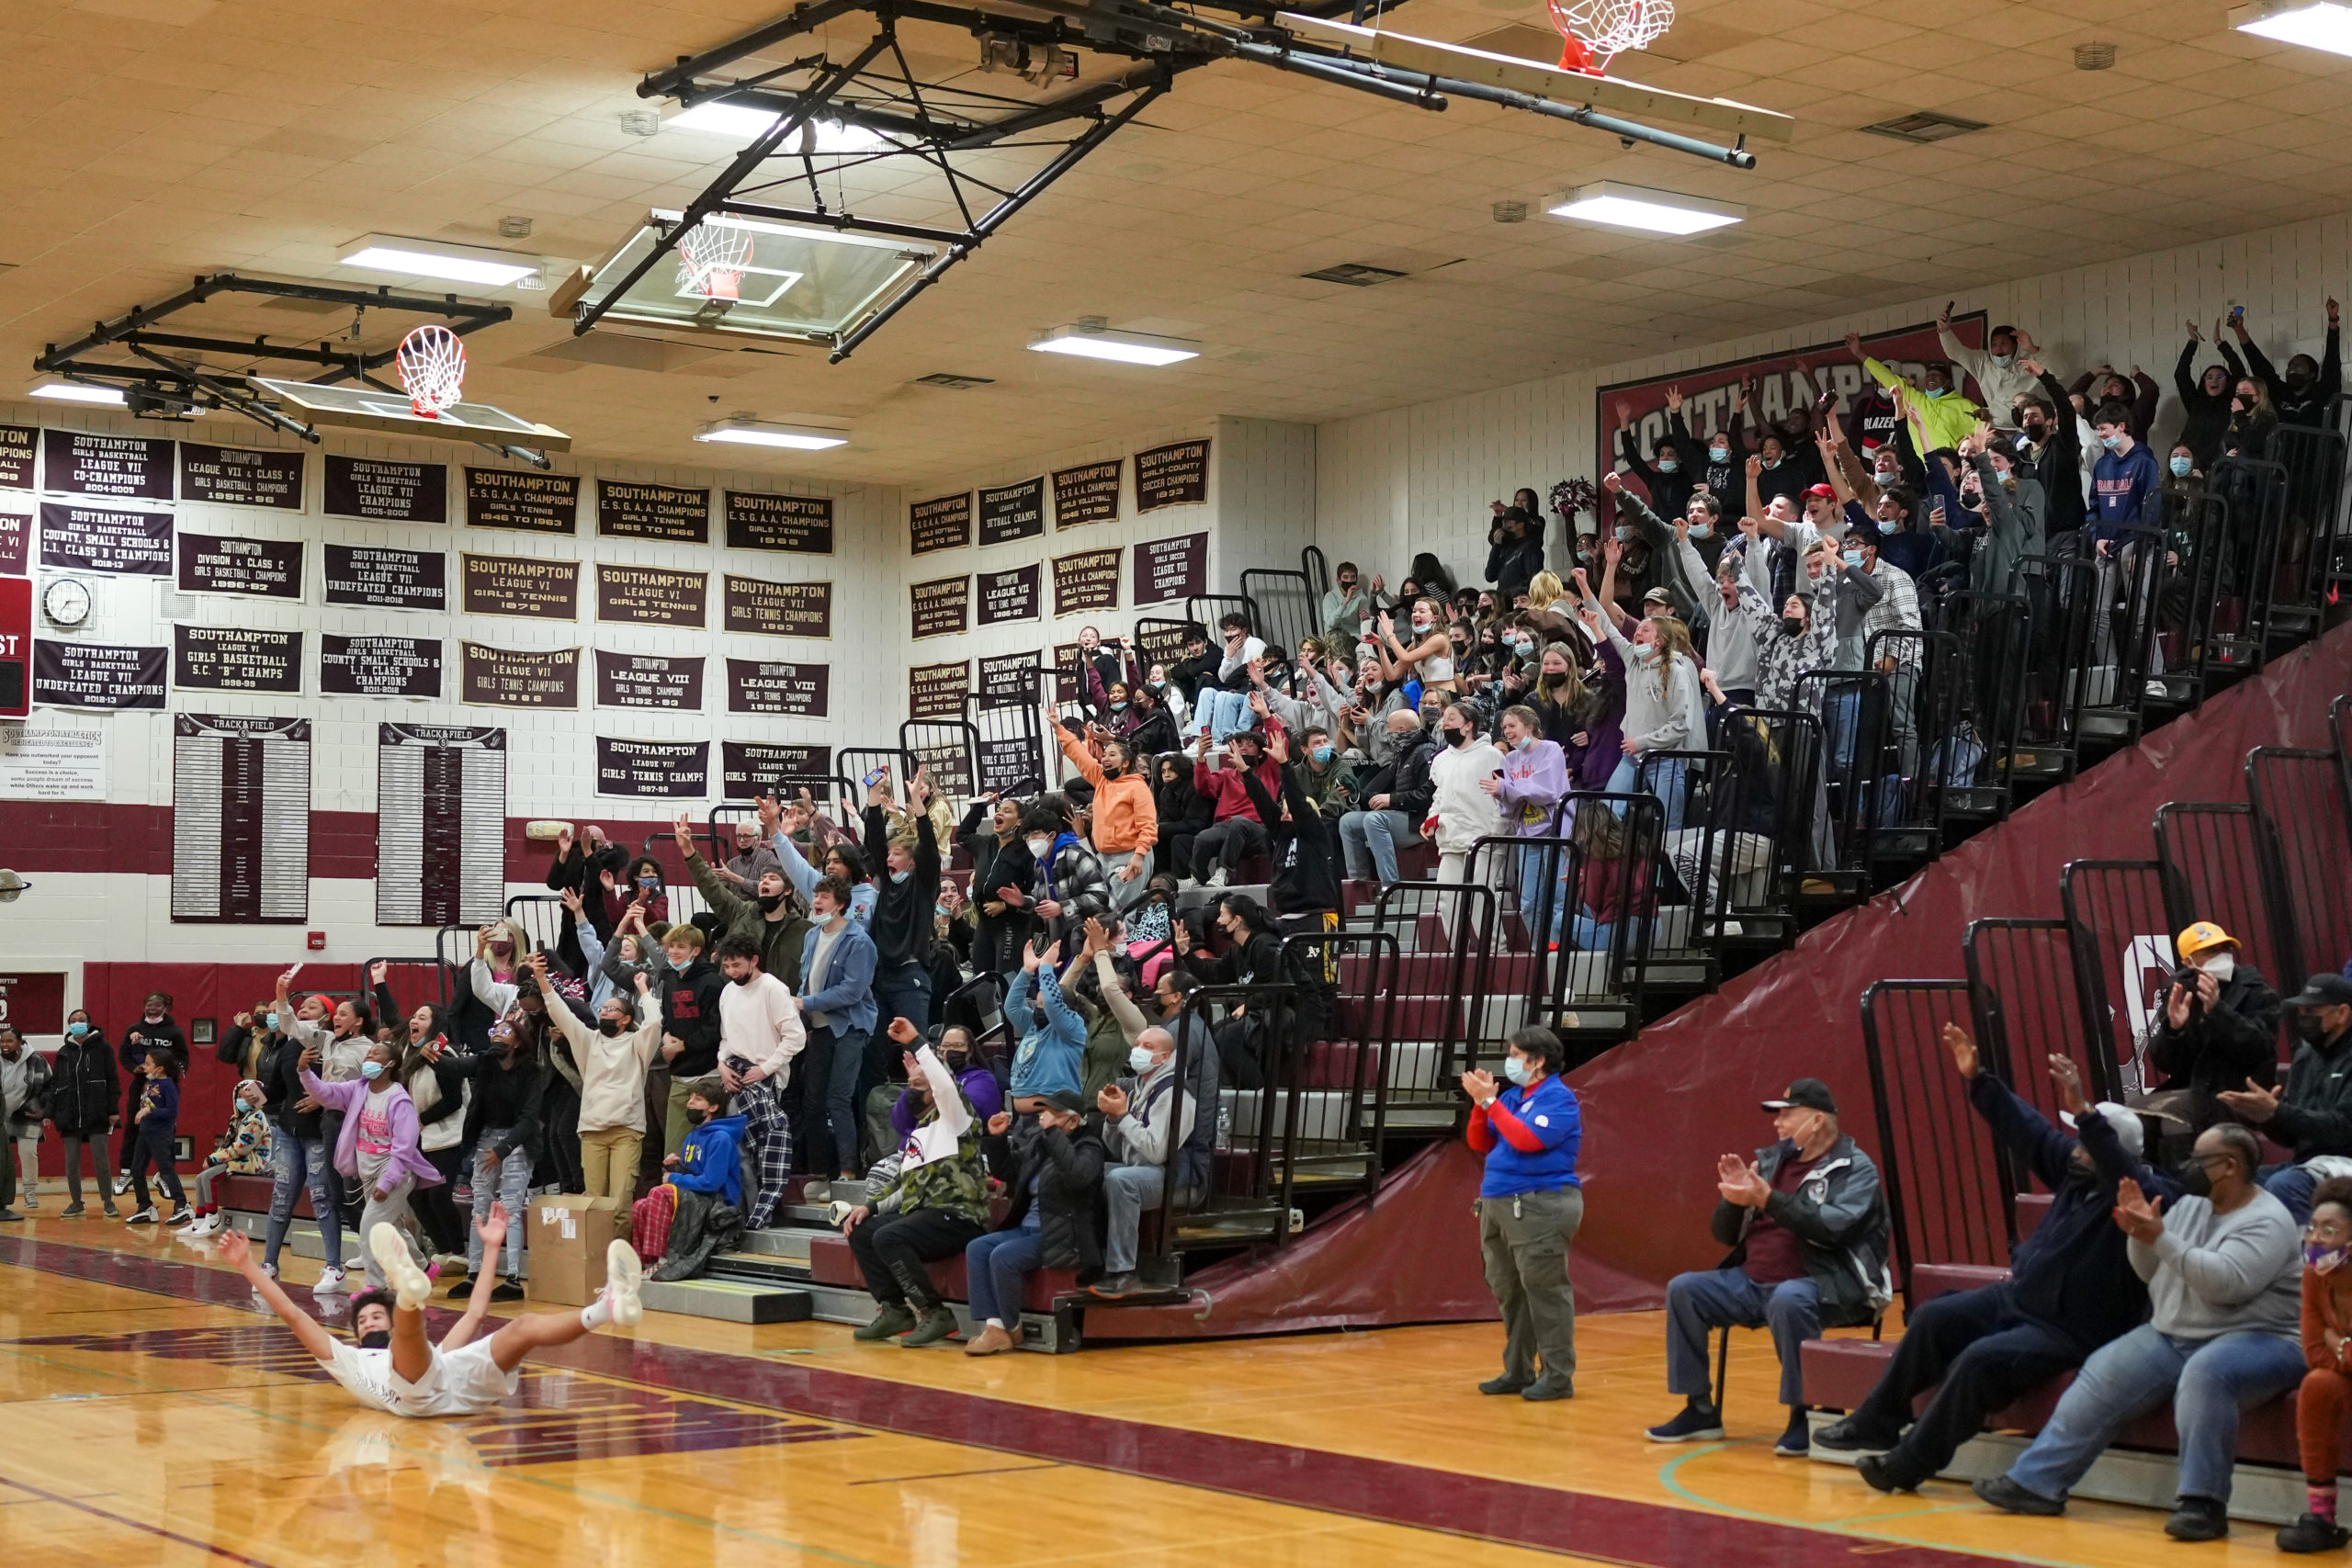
(610, 1074)
(711, 1160)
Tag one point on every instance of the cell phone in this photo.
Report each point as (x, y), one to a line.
(2237, 312)
(877, 776)
(1948, 306)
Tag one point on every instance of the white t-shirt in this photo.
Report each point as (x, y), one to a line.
(761, 1024)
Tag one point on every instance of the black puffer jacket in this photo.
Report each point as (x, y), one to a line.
(1068, 1171)
(2224, 1046)
(84, 1088)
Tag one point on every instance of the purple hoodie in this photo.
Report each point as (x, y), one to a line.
(406, 1158)
(1534, 780)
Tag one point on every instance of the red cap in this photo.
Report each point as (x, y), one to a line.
(325, 1002)
(1823, 492)
(1869, 442)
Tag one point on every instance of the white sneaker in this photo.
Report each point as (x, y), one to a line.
(121, 1184)
(330, 1284)
(816, 1192)
(624, 1275)
(181, 1219)
(412, 1287)
(143, 1217)
(1219, 877)
(838, 1212)
(196, 1230)
(31, 1201)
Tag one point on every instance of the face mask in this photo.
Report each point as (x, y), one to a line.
(376, 1339)
(1933, 391)
(2320, 1259)
(1157, 685)
(1139, 1059)
(2193, 1177)
(1038, 846)
(1323, 755)
(1889, 526)
(648, 882)
(1719, 454)
(955, 1061)
(1852, 559)
(2111, 442)
(608, 1027)
(768, 902)
(1887, 478)
(1119, 706)
(1792, 625)
(152, 1017)
(501, 948)
(1771, 463)
(697, 1116)
(2180, 467)
(78, 1028)
(1703, 530)
(1452, 736)
(1523, 742)
(1519, 1070)
(899, 877)
(2222, 965)
(2003, 360)
(1668, 465)
(2308, 1026)
(1624, 532)
(371, 1070)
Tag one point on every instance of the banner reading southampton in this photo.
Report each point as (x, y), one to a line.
(936, 691)
(85, 675)
(944, 523)
(1088, 495)
(386, 492)
(747, 767)
(1176, 567)
(797, 524)
(1087, 581)
(233, 476)
(1012, 511)
(76, 537)
(379, 667)
(17, 444)
(941, 608)
(1009, 595)
(656, 770)
(1173, 475)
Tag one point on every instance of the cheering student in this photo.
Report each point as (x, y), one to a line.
(395, 1368)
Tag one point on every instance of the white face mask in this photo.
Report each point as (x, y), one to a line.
(2220, 965)
(1039, 845)
(1140, 1059)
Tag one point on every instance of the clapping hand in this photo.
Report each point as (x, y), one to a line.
(2134, 1213)
(1479, 1086)
(1741, 1183)
(2253, 1103)
(1961, 1048)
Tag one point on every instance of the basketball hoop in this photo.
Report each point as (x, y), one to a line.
(711, 258)
(1593, 31)
(432, 362)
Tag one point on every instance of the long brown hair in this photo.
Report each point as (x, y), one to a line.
(1673, 642)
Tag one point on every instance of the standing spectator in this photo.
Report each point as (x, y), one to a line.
(1071, 886)
(1665, 710)
(902, 925)
(1515, 550)
(2313, 1115)
(996, 924)
(154, 1128)
(2220, 1032)
(1994, 367)
(2014, 509)
(1670, 488)
(933, 1208)
(298, 1147)
(1051, 1055)
(1936, 415)
(1395, 802)
(503, 1121)
(1127, 822)
(242, 1149)
(1530, 1204)
(83, 1091)
(760, 1032)
(1529, 789)
(2204, 399)
(24, 1105)
(1054, 1219)
(706, 1176)
(1806, 1223)
(1428, 657)
(767, 917)
(1095, 668)
(1234, 836)
(1156, 1137)
(585, 866)
(439, 1090)
(2303, 394)
(2322, 1402)
(1301, 846)
(377, 1148)
(609, 1065)
(690, 1024)
(1460, 805)
(156, 1026)
(1345, 609)
(2051, 442)
(2125, 482)
(2137, 393)
(837, 1005)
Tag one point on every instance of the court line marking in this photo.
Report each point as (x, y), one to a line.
(953, 1475)
(62, 1501)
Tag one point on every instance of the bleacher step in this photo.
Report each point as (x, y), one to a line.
(730, 1301)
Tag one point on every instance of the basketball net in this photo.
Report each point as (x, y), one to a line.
(432, 362)
(1593, 31)
(711, 261)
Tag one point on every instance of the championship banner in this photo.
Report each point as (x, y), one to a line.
(15, 540)
(234, 476)
(936, 691)
(379, 667)
(17, 444)
(536, 502)
(651, 595)
(440, 825)
(1088, 494)
(653, 770)
(652, 511)
(74, 537)
(518, 678)
(649, 681)
(941, 608)
(776, 609)
(1012, 511)
(1009, 595)
(1173, 475)
(241, 820)
(1087, 581)
(777, 686)
(797, 524)
(516, 585)
(748, 768)
(211, 563)
(134, 467)
(1176, 567)
(385, 492)
(380, 579)
(1011, 675)
(237, 658)
(943, 524)
(86, 675)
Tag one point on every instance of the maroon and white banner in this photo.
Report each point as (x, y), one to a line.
(17, 444)
(747, 767)
(1010, 595)
(237, 658)
(386, 492)
(213, 563)
(518, 678)
(1012, 511)
(943, 523)
(88, 675)
(536, 503)
(133, 467)
(782, 687)
(1177, 568)
(936, 691)
(379, 667)
(1087, 495)
(652, 511)
(1173, 475)
(776, 609)
(241, 820)
(653, 770)
(941, 608)
(649, 679)
(1087, 581)
(77, 538)
(16, 539)
(382, 579)
(440, 825)
(234, 476)
(797, 524)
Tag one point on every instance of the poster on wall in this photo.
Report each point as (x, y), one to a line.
(1162, 644)
(86, 675)
(76, 537)
(944, 523)
(1087, 581)
(237, 476)
(16, 647)
(16, 539)
(237, 658)
(1782, 382)
(649, 681)
(241, 820)
(652, 511)
(379, 667)
(776, 609)
(1012, 674)
(797, 524)
(46, 759)
(385, 492)
(130, 468)
(651, 595)
(1087, 495)
(936, 691)
(387, 580)
(1173, 475)
(1010, 764)
(17, 444)
(1009, 595)
(518, 678)
(215, 563)
(774, 686)
(941, 608)
(513, 585)
(1012, 511)
(653, 770)
(533, 501)
(748, 768)
(34, 1002)
(440, 825)
(1177, 568)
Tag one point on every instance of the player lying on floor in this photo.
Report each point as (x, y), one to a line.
(395, 1368)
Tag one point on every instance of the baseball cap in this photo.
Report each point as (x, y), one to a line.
(1823, 492)
(1810, 1094)
(1657, 597)
(1064, 1100)
(2322, 990)
(2201, 937)
(2122, 1118)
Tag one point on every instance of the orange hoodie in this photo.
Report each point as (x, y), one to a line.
(1125, 817)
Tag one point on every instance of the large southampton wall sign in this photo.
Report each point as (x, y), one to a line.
(652, 511)
(797, 524)
(774, 686)
(379, 666)
(384, 491)
(649, 681)
(1012, 511)
(518, 678)
(776, 609)
(211, 563)
(1087, 495)
(234, 475)
(1173, 475)
(89, 675)
(656, 770)
(943, 524)
(537, 504)
(237, 658)
(132, 467)
(381, 578)
(78, 538)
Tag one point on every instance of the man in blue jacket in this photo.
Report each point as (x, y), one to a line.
(1052, 1051)
(2126, 490)
(836, 994)
(2070, 1290)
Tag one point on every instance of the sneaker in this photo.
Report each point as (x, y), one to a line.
(624, 1276)
(330, 1283)
(837, 1212)
(2311, 1533)
(1797, 1441)
(1220, 877)
(2199, 1518)
(936, 1324)
(10, 1217)
(112, 1212)
(71, 1212)
(992, 1341)
(816, 1192)
(1853, 1436)
(32, 1202)
(888, 1323)
(1505, 1384)
(507, 1290)
(143, 1217)
(184, 1216)
(410, 1288)
(197, 1229)
(1113, 1287)
(1549, 1387)
(2011, 1498)
(121, 1184)
(1880, 1472)
(1695, 1423)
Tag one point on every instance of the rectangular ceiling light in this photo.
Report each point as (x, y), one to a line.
(1639, 206)
(79, 392)
(1093, 340)
(1925, 126)
(716, 117)
(745, 430)
(2317, 26)
(436, 258)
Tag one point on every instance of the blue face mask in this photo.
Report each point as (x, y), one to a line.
(1323, 754)
(1519, 1070)
(1703, 530)
(2111, 442)
(1888, 525)
(1623, 531)
(371, 1070)
(271, 1022)
(1668, 465)
(2180, 467)
(1852, 559)
(1719, 454)
(2003, 360)
(1932, 391)
(78, 1028)
(900, 876)
(1139, 1059)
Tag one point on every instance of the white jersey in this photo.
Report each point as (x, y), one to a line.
(464, 1382)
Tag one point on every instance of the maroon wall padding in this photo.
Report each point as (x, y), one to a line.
(1660, 1111)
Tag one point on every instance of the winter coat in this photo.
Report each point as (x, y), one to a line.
(28, 1112)
(85, 1086)
(1067, 1170)
(406, 1158)
(2223, 1045)
(1838, 1215)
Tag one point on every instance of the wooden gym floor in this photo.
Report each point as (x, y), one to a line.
(152, 1416)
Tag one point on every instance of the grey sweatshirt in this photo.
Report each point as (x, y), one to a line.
(2212, 1274)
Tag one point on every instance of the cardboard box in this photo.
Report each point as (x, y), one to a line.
(568, 1233)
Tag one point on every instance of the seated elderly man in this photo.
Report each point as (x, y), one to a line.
(1154, 1132)
(2225, 1279)
(1806, 1224)
(2070, 1290)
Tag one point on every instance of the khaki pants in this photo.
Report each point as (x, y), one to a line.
(609, 1159)
(676, 1126)
(1525, 1243)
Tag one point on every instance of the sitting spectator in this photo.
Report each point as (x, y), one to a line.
(1148, 725)
(2216, 1032)
(1395, 802)
(24, 1104)
(1807, 1226)
(1530, 1204)
(753, 858)
(1198, 668)
(242, 1149)
(902, 1105)
(83, 1094)
(2070, 1291)
(1155, 1135)
(1071, 884)
(932, 1208)
(1301, 847)
(1235, 836)
(1125, 820)
(2223, 1281)
(1181, 814)
(1616, 882)
(2313, 1115)
(760, 1032)
(2321, 1401)
(1052, 1037)
(696, 1210)
(1053, 1218)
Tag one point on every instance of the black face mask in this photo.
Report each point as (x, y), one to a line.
(1793, 624)
(608, 1026)
(376, 1339)
(955, 1061)
(1454, 737)
(768, 902)
(1112, 770)
(2195, 1178)
(2309, 1027)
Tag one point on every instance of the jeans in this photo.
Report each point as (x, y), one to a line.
(508, 1182)
(1539, 906)
(1225, 713)
(96, 1139)
(155, 1146)
(1525, 1242)
(829, 1072)
(1591, 935)
(2208, 1382)
(1979, 1354)
(1371, 838)
(1226, 844)
(1667, 781)
(901, 991)
(1128, 1191)
(1698, 1303)
(996, 1268)
(296, 1163)
(2292, 1185)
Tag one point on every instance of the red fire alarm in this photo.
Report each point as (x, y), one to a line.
(318, 941)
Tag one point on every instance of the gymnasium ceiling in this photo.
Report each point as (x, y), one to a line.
(150, 140)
